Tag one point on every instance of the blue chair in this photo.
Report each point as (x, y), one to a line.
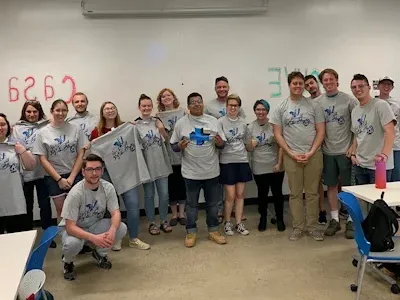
(38, 255)
(354, 209)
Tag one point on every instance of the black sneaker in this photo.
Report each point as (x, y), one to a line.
(53, 244)
(281, 226)
(101, 261)
(322, 218)
(262, 226)
(69, 271)
(86, 249)
(343, 213)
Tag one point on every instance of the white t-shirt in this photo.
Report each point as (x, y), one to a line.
(85, 122)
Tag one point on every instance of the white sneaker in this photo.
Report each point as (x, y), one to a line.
(242, 229)
(117, 246)
(228, 228)
(139, 244)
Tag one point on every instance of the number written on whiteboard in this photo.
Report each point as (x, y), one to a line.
(34, 88)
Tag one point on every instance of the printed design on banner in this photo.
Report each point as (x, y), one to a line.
(63, 145)
(29, 137)
(150, 139)
(5, 164)
(263, 140)
(363, 127)
(121, 146)
(296, 117)
(332, 116)
(91, 210)
(199, 136)
(233, 135)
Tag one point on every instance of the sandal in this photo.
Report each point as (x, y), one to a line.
(173, 221)
(153, 229)
(165, 227)
(182, 221)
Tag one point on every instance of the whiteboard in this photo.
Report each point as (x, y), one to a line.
(48, 50)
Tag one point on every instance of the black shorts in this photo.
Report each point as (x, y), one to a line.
(53, 188)
(176, 186)
(233, 173)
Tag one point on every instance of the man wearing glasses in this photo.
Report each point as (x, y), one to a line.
(373, 123)
(198, 136)
(83, 217)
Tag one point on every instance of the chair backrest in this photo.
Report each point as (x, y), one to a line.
(38, 255)
(354, 209)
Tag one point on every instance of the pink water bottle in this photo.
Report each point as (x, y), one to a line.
(380, 175)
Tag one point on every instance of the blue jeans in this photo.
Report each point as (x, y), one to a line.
(163, 199)
(131, 201)
(367, 176)
(396, 170)
(212, 196)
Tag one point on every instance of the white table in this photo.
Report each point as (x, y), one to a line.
(15, 249)
(369, 193)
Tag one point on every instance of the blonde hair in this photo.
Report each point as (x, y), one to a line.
(234, 97)
(102, 121)
(161, 106)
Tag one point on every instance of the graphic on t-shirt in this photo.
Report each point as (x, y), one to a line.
(199, 136)
(150, 139)
(120, 146)
(29, 136)
(85, 130)
(264, 141)
(296, 118)
(233, 135)
(362, 125)
(91, 210)
(332, 116)
(5, 164)
(62, 145)
(172, 121)
(222, 112)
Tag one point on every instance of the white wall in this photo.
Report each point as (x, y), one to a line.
(118, 59)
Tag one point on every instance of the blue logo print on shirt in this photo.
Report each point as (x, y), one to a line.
(297, 118)
(151, 139)
(172, 121)
(264, 141)
(233, 135)
(62, 145)
(199, 136)
(332, 116)
(120, 147)
(85, 130)
(5, 164)
(91, 210)
(222, 112)
(362, 125)
(29, 137)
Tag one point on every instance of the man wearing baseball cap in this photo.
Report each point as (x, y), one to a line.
(385, 86)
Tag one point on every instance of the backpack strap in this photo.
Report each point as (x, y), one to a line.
(390, 213)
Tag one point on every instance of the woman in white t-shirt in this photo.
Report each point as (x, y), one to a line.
(13, 217)
(169, 113)
(60, 147)
(152, 136)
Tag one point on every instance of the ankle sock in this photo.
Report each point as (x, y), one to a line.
(335, 215)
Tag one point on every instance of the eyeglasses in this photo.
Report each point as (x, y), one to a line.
(196, 102)
(360, 86)
(91, 170)
(110, 109)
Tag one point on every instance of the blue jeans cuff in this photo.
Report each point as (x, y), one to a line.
(191, 230)
(213, 229)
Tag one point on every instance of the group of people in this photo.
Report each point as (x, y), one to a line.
(84, 163)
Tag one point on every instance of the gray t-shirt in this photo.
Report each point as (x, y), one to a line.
(266, 154)
(86, 207)
(236, 138)
(395, 105)
(200, 158)
(12, 194)
(367, 124)
(60, 145)
(297, 120)
(86, 122)
(154, 148)
(337, 111)
(25, 133)
(121, 151)
(169, 118)
(217, 109)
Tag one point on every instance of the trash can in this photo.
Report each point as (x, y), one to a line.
(32, 284)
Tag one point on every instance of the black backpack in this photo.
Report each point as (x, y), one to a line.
(380, 226)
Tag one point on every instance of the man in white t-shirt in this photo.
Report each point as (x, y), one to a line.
(83, 217)
(385, 86)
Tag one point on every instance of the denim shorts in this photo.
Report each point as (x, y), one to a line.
(52, 185)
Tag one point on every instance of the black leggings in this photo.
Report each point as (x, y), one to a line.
(13, 224)
(264, 183)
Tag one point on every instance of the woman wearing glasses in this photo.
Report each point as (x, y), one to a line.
(60, 147)
(235, 168)
(109, 120)
(266, 161)
(25, 130)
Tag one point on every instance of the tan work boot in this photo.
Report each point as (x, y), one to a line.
(190, 240)
(217, 237)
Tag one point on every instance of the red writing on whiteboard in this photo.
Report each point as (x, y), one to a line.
(29, 88)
